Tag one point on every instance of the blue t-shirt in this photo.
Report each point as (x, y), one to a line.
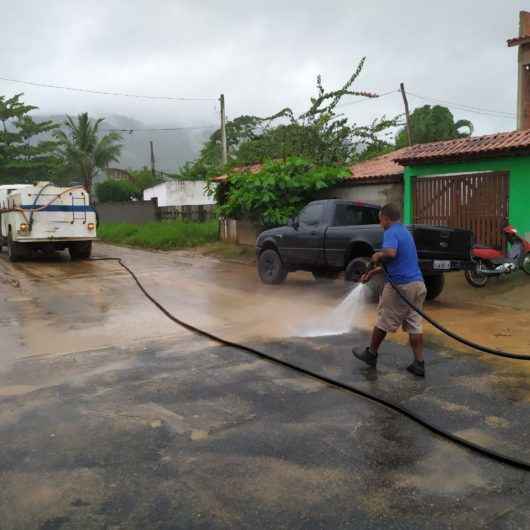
(404, 268)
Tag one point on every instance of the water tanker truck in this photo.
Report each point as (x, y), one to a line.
(43, 217)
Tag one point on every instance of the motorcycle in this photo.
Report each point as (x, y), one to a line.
(490, 262)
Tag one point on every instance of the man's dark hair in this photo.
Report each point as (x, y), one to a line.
(391, 211)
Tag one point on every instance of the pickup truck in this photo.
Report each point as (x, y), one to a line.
(333, 236)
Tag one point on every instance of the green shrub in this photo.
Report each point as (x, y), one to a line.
(163, 235)
(116, 191)
(278, 191)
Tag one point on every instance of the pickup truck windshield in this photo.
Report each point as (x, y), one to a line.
(352, 214)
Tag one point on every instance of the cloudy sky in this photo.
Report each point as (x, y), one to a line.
(263, 55)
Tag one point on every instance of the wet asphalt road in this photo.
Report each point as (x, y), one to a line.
(113, 417)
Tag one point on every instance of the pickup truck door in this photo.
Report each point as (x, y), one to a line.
(304, 246)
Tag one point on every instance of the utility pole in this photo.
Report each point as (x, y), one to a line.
(407, 112)
(224, 150)
(152, 157)
(523, 91)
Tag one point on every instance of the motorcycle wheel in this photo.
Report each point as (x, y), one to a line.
(526, 264)
(475, 278)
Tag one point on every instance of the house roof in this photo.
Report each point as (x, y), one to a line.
(501, 144)
(383, 168)
(517, 41)
(380, 169)
(253, 168)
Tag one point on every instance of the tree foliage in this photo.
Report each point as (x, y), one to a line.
(432, 124)
(84, 149)
(116, 191)
(319, 134)
(278, 191)
(23, 157)
(143, 179)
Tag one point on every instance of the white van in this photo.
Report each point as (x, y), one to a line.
(45, 217)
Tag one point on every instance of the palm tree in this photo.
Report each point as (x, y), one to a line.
(84, 150)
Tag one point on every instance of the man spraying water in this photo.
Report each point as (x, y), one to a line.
(401, 259)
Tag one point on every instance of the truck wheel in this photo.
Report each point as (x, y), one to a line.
(80, 250)
(325, 275)
(271, 268)
(356, 268)
(16, 251)
(435, 285)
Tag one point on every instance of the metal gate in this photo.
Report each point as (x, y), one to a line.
(477, 202)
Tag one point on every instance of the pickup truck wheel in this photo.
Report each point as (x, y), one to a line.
(271, 268)
(356, 268)
(80, 250)
(435, 285)
(325, 275)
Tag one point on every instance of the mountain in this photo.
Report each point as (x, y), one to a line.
(172, 148)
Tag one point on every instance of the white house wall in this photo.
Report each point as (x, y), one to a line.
(180, 193)
(379, 194)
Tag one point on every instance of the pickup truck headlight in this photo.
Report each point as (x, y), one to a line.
(23, 227)
(91, 226)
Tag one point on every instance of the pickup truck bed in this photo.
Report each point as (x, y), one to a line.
(332, 236)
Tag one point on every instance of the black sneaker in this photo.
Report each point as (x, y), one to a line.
(366, 356)
(417, 368)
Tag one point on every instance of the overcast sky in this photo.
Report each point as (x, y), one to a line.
(263, 55)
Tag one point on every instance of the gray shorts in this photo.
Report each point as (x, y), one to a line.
(392, 312)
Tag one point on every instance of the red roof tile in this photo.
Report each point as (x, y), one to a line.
(518, 40)
(377, 169)
(515, 142)
(254, 168)
(380, 168)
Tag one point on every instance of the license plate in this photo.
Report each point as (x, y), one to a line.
(441, 265)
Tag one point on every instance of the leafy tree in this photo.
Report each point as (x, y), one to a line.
(22, 157)
(116, 191)
(278, 191)
(319, 134)
(432, 124)
(84, 149)
(143, 179)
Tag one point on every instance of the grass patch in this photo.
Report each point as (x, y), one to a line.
(164, 235)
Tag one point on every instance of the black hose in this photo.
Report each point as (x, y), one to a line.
(449, 333)
(484, 451)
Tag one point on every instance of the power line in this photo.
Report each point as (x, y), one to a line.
(105, 92)
(468, 108)
(165, 129)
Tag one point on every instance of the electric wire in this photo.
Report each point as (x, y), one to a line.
(164, 129)
(106, 92)
(468, 108)
(468, 444)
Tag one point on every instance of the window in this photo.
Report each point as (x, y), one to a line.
(370, 216)
(351, 214)
(311, 215)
